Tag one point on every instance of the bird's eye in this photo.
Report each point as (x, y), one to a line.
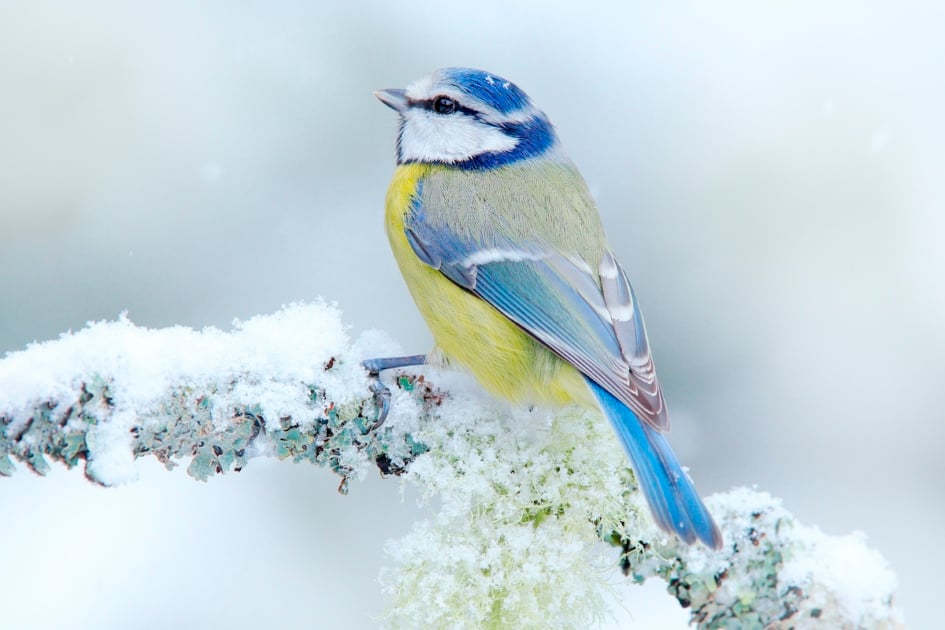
(444, 105)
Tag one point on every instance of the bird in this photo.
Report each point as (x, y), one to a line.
(504, 252)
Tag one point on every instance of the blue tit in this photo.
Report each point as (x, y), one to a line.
(504, 253)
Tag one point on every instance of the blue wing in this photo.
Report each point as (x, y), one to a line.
(587, 316)
(584, 311)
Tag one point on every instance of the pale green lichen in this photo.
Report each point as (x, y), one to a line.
(524, 501)
(512, 543)
(187, 425)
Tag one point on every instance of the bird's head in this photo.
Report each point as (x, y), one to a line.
(469, 119)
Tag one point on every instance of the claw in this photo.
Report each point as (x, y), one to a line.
(381, 391)
(381, 400)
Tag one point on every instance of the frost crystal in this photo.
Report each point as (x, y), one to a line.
(525, 500)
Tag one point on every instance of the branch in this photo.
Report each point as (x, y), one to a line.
(282, 385)
(523, 498)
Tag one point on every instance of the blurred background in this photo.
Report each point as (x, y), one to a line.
(770, 176)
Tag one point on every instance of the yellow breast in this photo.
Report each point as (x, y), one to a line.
(470, 332)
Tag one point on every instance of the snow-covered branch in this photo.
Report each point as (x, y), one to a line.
(284, 385)
(532, 508)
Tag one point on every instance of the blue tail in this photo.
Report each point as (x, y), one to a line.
(673, 500)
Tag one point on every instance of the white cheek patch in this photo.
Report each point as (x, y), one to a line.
(430, 137)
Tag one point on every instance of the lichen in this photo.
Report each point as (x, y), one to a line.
(522, 499)
(187, 425)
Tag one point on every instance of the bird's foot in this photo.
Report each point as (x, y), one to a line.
(381, 392)
(381, 399)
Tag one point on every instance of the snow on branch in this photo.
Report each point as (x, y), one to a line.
(284, 385)
(533, 509)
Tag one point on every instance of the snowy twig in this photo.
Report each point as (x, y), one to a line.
(115, 392)
(524, 498)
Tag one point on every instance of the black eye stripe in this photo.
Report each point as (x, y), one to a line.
(429, 103)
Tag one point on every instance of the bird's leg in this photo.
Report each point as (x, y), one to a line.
(381, 392)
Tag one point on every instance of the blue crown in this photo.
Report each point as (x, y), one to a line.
(491, 89)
